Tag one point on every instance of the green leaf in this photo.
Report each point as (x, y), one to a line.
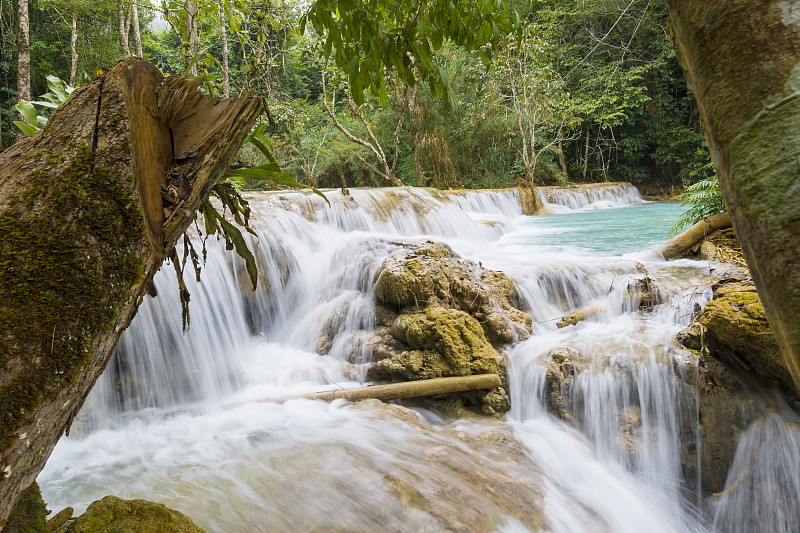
(242, 250)
(28, 112)
(43, 103)
(26, 129)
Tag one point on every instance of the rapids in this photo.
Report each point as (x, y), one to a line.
(181, 418)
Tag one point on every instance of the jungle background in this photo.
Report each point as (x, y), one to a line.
(583, 91)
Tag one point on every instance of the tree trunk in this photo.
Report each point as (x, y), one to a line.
(23, 56)
(191, 36)
(680, 244)
(124, 26)
(226, 81)
(84, 232)
(741, 59)
(137, 36)
(73, 40)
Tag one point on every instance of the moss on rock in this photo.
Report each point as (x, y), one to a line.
(735, 322)
(115, 515)
(428, 273)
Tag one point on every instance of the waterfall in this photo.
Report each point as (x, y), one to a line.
(560, 200)
(599, 408)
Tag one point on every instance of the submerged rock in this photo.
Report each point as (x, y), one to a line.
(129, 516)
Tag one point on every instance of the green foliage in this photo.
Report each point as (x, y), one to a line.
(233, 202)
(59, 92)
(371, 39)
(701, 199)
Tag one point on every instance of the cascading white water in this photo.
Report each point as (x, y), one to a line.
(179, 417)
(558, 200)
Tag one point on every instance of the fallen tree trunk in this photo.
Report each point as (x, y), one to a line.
(680, 244)
(740, 59)
(84, 230)
(410, 389)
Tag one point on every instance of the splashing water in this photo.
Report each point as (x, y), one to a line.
(180, 418)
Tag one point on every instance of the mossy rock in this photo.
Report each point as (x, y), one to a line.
(430, 274)
(443, 342)
(735, 322)
(115, 515)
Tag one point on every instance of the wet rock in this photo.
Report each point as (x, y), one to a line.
(691, 337)
(440, 315)
(442, 342)
(562, 366)
(422, 274)
(719, 406)
(129, 516)
(736, 331)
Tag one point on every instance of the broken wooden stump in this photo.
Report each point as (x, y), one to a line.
(85, 228)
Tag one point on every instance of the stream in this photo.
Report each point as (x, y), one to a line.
(185, 419)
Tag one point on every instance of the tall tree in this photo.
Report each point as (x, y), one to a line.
(23, 55)
(124, 23)
(742, 60)
(386, 168)
(137, 36)
(534, 97)
(73, 41)
(223, 33)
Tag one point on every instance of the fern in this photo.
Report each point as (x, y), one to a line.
(700, 199)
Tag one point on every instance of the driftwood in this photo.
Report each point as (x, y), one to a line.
(680, 244)
(410, 389)
(84, 230)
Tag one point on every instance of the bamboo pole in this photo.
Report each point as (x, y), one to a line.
(408, 389)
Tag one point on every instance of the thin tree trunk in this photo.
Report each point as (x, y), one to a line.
(586, 157)
(411, 389)
(562, 161)
(124, 25)
(84, 231)
(749, 102)
(73, 69)
(191, 36)
(226, 82)
(137, 36)
(23, 56)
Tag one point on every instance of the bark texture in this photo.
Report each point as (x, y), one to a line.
(742, 60)
(84, 230)
(23, 56)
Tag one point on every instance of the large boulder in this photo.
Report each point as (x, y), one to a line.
(717, 410)
(444, 342)
(422, 274)
(739, 373)
(735, 330)
(440, 315)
